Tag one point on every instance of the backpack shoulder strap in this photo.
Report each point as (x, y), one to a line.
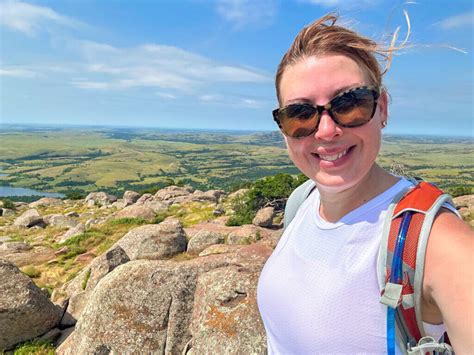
(402, 256)
(295, 200)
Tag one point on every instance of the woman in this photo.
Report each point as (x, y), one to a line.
(318, 292)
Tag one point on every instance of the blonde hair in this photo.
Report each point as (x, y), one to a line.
(323, 37)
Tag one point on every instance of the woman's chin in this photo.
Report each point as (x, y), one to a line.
(335, 186)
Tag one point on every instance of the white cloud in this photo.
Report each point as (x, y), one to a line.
(159, 66)
(462, 20)
(231, 101)
(166, 95)
(242, 13)
(30, 19)
(18, 73)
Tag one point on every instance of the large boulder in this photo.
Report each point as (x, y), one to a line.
(59, 220)
(203, 239)
(154, 241)
(25, 311)
(14, 247)
(142, 306)
(172, 192)
(264, 217)
(144, 198)
(130, 197)
(225, 318)
(78, 289)
(46, 201)
(133, 211)
(29, 219)
(207, 196)
(99, 199)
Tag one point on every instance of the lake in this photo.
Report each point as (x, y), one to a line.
(21, 191)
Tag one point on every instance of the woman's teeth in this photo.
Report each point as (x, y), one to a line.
(333, 157)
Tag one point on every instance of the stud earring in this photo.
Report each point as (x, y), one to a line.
(384, 124)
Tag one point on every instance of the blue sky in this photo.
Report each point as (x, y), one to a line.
(211, 64)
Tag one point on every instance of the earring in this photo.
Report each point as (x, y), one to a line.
(384, 124)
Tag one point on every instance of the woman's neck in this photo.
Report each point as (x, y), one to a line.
(335, 205)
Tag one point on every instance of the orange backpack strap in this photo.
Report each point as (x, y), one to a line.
(401, 260)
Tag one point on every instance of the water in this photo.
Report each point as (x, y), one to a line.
(3, 174)
(22, 191)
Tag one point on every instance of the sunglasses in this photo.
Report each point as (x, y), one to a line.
(351, 108)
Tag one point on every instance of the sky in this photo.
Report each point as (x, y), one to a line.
(210, 64)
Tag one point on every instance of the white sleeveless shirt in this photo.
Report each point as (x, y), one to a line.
(318, 292)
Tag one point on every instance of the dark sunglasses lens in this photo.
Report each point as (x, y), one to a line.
(354, 108)
(298, 120)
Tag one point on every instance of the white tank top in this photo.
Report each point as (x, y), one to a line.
(318, 292)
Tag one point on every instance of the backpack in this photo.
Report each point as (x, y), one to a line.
(401, 262)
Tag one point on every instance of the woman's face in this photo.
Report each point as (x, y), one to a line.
(336, 158)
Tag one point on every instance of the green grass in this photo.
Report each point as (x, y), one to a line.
(35, 347)
(31, 271)
(86, 279)
(128, 221)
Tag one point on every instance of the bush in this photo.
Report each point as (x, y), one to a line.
(41, 347)
(129, 221)
(75, 195)
(8, 204)
(31, 271)
(459, 191)
(271, 190)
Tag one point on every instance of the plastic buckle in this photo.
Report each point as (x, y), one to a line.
(431, 346)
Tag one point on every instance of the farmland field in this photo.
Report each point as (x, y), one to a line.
(59, 159)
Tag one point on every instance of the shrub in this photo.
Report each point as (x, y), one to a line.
(40, 347)
(459, 191)
(31, 271)
(75, 195)
(8, 204)
(129, 221)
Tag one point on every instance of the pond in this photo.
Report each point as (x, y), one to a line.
(22, 191)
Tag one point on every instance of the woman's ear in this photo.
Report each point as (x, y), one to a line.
(383, 107)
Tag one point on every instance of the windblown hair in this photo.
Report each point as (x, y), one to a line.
(323, 37)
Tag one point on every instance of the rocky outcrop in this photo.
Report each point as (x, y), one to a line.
(25, 311)
(133, 211)
(264, 217)
(29, 219)
(46, 201)
(99, 199)
(465, 206)
(130, 197)
(14, 247)
(148, 306)
(59, 220)
(202, 240)
(154, 241)
(225, 318)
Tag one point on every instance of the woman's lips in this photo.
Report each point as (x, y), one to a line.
(330, 159)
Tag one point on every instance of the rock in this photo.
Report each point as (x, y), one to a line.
(264, 217)
(59, 220)
(202, 240)
(6, 212)
(142, 306)
(171, 192)
(237, 194)
(225, 318)
(134, 211)
(156, 206)
(95, 221)
(84, 258)
(79, 288)
(219, 211)
(466, 201)
(118, 205)
(65, 333)
(79, 229)
(217, 249)
(46, 201)
(14, 247)
(130, 197)
(144, 198)
(208, 196)
(245, 234)
(29, 219)
(51, 336)
(154, 241)
(72, 214)
(99, 199)
(64, 250)
(25, 312)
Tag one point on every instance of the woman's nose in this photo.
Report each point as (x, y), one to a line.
(327, 128)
